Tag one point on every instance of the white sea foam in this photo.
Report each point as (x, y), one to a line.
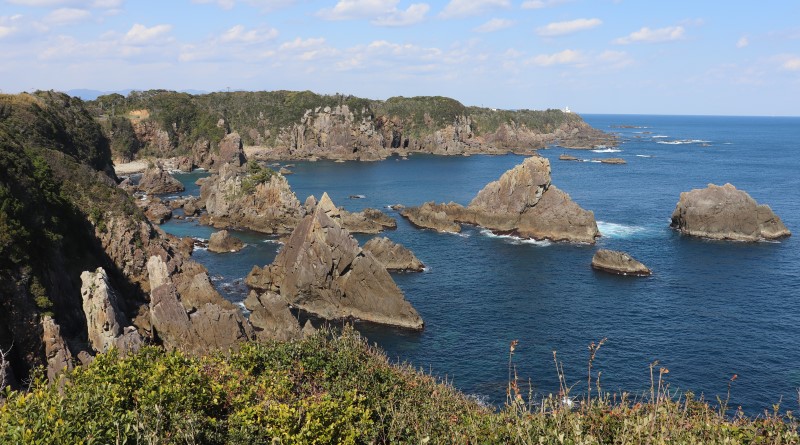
(242, 306)
(659, 136)
(200, 248)
(683, 142)
(596, 161)
(614, 230)
(273, 241)
(644, 156)
(515, 240)
(607, 150)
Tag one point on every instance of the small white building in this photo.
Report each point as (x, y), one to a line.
(567, 110)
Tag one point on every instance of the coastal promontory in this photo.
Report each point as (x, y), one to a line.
(726, 213)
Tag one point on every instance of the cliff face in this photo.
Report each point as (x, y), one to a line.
(289, 125)
(74, 250)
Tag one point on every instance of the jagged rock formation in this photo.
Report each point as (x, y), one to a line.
(725, 213)
(57, 355)
(105, 321)
(323, 271)
(366, 221)
(231, 150)
(271, 317)
(60, 186)
(236, 198)
(523, 202)
(222, 241)
(212, 326)
(619, 263)
(392, 255)
(155, 180)
(154, 209)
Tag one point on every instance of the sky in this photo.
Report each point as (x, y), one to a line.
(594, 56)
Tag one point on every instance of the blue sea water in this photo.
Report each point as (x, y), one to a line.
(711, 310)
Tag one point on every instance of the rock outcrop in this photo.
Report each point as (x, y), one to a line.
(725, 213)
(434, 216)
(262, 202)
(369, 220)
(57, 355)
(154, 209)
(223, 241)
(392, 255)
(231, 151)
(211, 326)
(107, 326)
(523, 202)
(271, 317)
(619, 263)
(155, 180)
(323, 271)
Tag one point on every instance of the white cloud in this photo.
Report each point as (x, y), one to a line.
(238, 34)
(568, 27)
(263, 5)
(140, 34)
(566, 57)
(65, 16)
(380, 12)
(465, 8)
(494, 25)
(302, 44)
(742, 42)
(99, 4)
(6, 31)
(541, 4)
(614, 59)
(647, 35)
(792, 63)
(415, 13)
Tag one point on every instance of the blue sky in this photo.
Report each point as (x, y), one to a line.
(595, 56)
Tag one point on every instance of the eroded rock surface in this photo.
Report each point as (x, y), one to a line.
(725, 213)
(237, 198)
(392, 255)
(155, 180)
(366, 221)
(619, 263)
(323, 271)
(223, 241)
(107, 325)
(523, 202)
(271, 317)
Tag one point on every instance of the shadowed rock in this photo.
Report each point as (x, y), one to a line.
(323, 271)
(619, 263)
(725, 213)
(366, 221)
(433, 216)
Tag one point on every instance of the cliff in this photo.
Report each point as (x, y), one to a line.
(78, 257)
(302, 125)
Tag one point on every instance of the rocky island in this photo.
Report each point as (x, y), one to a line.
(725, 213)
(523, 202)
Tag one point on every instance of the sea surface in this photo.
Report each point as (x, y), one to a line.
(710, 311)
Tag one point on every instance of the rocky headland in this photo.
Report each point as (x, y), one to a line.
(619, 263)
(725, 213)
(322, 270)
(289, 125)
(523, 203)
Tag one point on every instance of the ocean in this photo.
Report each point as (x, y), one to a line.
(711, 309)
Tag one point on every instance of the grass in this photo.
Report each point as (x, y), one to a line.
(335, 388)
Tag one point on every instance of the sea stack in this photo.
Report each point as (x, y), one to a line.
(725, 213)
(322, 270)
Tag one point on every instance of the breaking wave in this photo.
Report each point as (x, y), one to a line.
(607, 150)
(614, 230)
(515, 240)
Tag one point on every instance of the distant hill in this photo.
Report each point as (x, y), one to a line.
(87, 94)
